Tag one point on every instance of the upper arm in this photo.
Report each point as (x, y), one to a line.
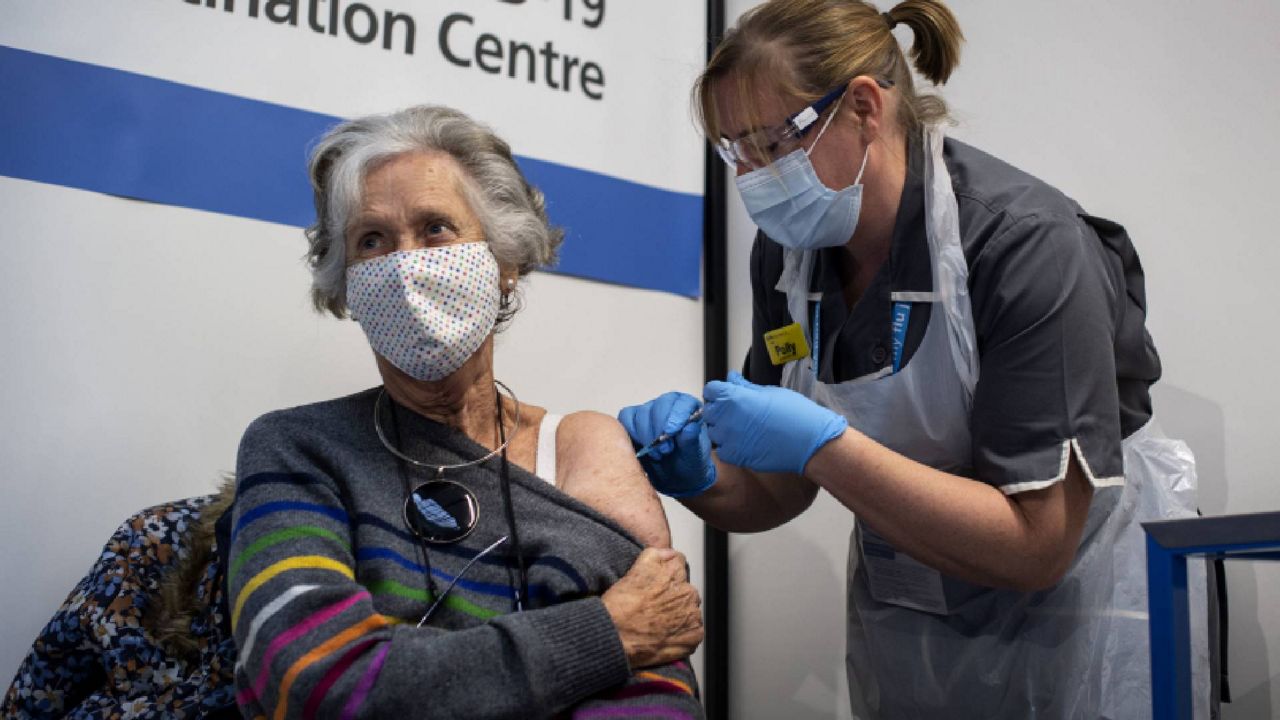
(289, 523)
(1056, 516)
(1046, 422)
(291, 567)
(596, 464)
(1044, 314)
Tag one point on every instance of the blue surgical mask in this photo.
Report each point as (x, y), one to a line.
(788, 201)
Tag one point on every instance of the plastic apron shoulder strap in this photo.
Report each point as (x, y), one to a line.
(950, 269)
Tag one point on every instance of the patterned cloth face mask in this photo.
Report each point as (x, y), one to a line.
(427, 310)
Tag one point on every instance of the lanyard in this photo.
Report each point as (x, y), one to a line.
(817, 335)
(900, 321)
(901, 317)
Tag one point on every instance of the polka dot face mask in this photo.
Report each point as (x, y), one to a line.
(427, 310)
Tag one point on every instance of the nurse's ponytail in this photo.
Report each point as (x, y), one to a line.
(936, 49)
(803, 48)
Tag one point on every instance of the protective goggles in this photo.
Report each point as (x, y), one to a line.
(759, 148)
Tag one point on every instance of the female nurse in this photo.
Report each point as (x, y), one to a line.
(955, 351)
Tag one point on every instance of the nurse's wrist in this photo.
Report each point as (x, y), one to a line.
(832, 429)
(832, 455)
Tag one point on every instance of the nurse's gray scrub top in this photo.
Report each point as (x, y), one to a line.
(1059, 308)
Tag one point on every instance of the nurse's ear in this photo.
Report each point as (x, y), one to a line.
(868, 103)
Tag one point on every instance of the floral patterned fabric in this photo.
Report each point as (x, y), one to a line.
(95, 660)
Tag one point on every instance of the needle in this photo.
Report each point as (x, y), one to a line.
(697, 415)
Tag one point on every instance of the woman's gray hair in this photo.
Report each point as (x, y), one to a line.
(511, 211)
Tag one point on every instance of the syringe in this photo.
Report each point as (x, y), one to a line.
(697, 414)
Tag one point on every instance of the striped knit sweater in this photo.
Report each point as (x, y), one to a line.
(326, 586)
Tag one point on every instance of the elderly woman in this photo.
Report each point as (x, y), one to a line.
(434, 547)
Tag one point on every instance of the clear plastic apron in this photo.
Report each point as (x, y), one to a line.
(1077, 650)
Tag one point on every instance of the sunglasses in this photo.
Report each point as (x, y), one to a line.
(441, 512)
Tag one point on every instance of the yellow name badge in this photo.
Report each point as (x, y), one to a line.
(786, 344)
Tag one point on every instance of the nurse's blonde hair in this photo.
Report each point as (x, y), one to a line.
(804, 48)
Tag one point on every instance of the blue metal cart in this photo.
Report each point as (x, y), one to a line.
(1169, 543)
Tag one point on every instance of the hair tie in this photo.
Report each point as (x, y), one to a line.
(888, 18)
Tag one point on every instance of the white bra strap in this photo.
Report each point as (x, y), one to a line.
(545, 463)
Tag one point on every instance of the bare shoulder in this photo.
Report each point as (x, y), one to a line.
(596, 464)
(587, 432)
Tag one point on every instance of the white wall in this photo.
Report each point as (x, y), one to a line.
(1162, 116)
(140, 340)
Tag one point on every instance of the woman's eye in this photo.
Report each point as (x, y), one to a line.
(439, 231)
(369, 242)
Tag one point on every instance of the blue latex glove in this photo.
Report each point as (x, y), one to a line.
(681, 466)
(766, 428)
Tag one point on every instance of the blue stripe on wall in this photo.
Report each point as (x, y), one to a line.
(96, 128)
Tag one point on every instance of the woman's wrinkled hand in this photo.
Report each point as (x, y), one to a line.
(657, 612)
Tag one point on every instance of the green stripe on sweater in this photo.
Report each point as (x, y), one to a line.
(280, 536)
(453, 602)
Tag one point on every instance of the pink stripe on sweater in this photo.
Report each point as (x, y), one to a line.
(365, 686)
(315, 620)
(330, 678)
